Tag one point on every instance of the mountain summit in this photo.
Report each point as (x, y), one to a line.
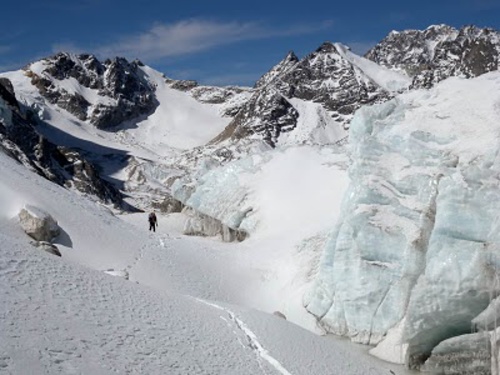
(104, 93)
(438, 52)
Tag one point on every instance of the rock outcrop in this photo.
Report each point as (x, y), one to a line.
(64, 166)
(38, 224)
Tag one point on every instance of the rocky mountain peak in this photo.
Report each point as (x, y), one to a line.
(410, 50)
(438, 52)
(326, 77)
(111, 92)
(327, 47)
(278, 70)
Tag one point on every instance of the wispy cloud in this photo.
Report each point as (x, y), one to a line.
(196, 35)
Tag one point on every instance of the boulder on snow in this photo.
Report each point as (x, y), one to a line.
(47, 246)
(38, 224)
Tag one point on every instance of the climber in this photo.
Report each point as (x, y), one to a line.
(153, 222)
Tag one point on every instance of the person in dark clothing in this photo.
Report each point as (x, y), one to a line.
(153, 222)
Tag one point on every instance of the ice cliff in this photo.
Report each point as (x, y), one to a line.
(414, 257)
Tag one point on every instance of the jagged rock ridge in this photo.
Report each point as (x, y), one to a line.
(325, 76)
(439, 52)
(105, 94)
(62, 165)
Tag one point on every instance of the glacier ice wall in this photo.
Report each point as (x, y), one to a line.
(416, 242)
(220, 193)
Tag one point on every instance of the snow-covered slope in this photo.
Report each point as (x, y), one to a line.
(136, 156)
(59, 317)
(178, 120)
(415, 249)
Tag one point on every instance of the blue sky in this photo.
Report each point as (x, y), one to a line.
(217, 42)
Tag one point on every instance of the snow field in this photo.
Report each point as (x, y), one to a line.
(60, 317)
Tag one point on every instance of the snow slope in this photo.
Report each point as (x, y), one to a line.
(390, 80)
(60, 317)
(179, 122)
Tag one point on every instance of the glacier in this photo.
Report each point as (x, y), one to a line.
(266, 193)
(413, 259)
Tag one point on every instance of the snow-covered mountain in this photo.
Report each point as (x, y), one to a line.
(106, 94)
(439, 52)
(66, 167)
(365, 190)
(331, 81)
(126, 118)
(121, 300)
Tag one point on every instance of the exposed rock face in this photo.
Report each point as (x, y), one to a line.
(439, 52)
(116, 90)
(66, 167)
(184, 85)
(38, 224)
(326, 76)
(287, 64)
(267, 114)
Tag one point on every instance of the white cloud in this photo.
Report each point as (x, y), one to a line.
(195, 35)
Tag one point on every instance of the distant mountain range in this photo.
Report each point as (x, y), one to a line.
(298, 101)
(411, 263)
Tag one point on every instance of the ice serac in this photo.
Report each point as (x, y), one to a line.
(417, 244)
(219, 198)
